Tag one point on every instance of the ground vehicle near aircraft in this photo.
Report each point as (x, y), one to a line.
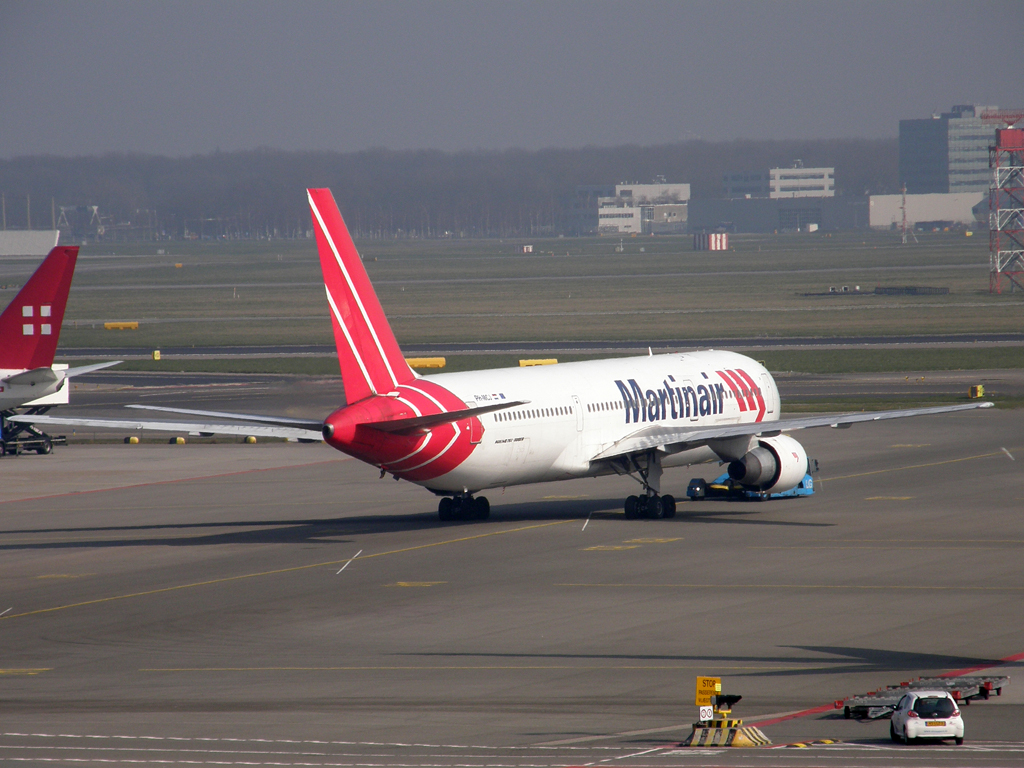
(29, 330)
(458, 434)
(927, 715)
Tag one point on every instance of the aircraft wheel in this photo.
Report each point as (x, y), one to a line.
(481, 508)
(630, 507)
(668, 504)
(655, 508)
(642, 506)
(444, 509)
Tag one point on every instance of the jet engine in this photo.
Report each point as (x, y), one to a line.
(777, 464)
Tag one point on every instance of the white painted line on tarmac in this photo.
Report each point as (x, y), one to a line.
(357, 554)
(581, 531)
(7, 611)
(1008, 454)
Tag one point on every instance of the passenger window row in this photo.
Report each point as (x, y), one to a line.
(533, 413)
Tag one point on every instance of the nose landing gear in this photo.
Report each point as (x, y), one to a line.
(463, 507)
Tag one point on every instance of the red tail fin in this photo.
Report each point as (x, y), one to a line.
(371, 362)
(30, 326)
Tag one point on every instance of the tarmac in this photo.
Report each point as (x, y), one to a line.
(277, 604)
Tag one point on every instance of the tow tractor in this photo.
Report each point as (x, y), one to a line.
(18, 438)
(724, 487)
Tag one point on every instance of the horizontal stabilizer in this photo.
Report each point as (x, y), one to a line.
(674, 439)
(83, 369)
(417, 423)
(280, 421)
(192, 428)
(33, 378)
(47, 375)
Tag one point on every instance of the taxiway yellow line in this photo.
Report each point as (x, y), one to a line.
(915, 466)
(276, 571)
(849, 587)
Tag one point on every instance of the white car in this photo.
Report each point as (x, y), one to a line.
(927, 715)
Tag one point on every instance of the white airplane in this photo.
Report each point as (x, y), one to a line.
(29, 330)
(457, 434)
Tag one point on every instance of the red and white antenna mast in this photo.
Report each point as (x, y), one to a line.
(1006, 202)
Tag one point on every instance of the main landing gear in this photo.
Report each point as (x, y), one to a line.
(654, 506)
(650, 503)
(463, 507)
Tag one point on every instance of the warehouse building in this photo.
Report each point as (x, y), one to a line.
(799, 214)
(927, 211)
(621, 209)
(28, 242)
(947, 152)
(779, 183)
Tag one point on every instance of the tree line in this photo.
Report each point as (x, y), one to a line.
(385, 193)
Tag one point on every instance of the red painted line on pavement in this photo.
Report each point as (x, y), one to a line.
(168, 482)
(831, 707)
(794, 716)
(969, 670)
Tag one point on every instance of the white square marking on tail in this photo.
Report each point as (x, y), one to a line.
(45, 310)
(26, 311)
(44, 329)
(28, 329)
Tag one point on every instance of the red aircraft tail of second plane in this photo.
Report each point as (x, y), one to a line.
(30, 325)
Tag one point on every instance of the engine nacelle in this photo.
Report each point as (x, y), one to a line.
(777, 464)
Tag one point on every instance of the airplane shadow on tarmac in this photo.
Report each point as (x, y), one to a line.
(336, 530)
(839, 660)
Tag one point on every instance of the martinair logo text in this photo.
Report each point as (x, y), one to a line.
(670, 400)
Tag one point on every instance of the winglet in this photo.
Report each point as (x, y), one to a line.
(370, 359)
(30, 325)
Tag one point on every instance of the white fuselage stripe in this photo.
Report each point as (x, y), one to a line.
(427, 395)
(409, 456)
(351, 344)
(415, 410)
(355, 293)
(442, 453)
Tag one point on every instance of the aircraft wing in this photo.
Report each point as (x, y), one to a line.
(192, 428)
(673, 440)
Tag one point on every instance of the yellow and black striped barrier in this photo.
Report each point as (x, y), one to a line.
(726, 733)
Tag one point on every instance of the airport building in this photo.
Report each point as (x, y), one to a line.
(621, 209)
(28, 242)
(936, 211)
(779, 183)
(792, 214)
(947, 152)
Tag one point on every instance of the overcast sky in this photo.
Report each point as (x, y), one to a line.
(185, 77)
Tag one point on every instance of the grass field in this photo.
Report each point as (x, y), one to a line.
(570, 290)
